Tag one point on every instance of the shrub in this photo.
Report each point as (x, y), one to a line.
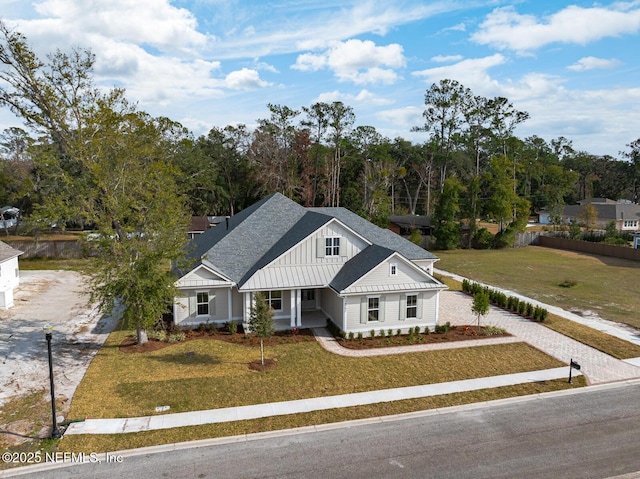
(426, 330)
(568, 283)
(529, 311)
(483, 239)
(372, 333)
(515, 304)
(465, 285)
(543, 314)
(493, 331)
(416, 330)
(351, 335)
(522, 308)
(173, 338)
(157, 335)
(398, 332)
(232, 327)
(381, 333)
(443, 328)
(390, 332)
(360, 336)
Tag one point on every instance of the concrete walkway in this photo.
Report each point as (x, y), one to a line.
(455, 307)
(255, 411)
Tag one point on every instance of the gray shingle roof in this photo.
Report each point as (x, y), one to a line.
(359, 265)
(8, 252)
(261, 233)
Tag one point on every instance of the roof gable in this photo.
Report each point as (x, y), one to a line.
(376, 235)
(7, 252)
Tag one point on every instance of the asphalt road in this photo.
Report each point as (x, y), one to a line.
(594, 433)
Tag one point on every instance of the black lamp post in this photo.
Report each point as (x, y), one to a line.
(55, 433)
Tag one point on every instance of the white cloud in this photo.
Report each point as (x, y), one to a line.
(152, 22)
(244, 79)
(504, 28)
(363, 97)
(357, 61)
(446, 58)
(472, 73)
(591, 63)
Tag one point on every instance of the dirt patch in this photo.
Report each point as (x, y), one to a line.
(268, 365)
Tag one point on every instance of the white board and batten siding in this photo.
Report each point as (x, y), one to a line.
(392, 312)
(309, 251)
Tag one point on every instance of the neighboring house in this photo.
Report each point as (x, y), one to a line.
(198, 225)
(625, 214)
(9, 274)
(311, 264)
(405, 224)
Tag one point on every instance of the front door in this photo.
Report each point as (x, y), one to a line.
(309, 300)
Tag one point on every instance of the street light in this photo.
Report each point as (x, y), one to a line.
(55, 433)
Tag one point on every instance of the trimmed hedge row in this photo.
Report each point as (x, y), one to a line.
(510, 303)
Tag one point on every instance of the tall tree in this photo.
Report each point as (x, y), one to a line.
(102, 161)
(317, 121)
(447, 215)
(340, 120)
(443, 117)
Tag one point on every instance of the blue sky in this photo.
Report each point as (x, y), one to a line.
(574, 66)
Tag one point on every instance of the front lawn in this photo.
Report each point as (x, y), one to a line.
(209, 373)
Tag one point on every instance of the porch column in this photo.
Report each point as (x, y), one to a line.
(229, 305)
(299, 306)
(246, 307)
(292, 309)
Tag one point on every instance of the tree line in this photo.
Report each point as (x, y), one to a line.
(89, 158)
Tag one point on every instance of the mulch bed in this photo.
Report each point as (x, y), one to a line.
(258, 366)
(455, 333)
(129, 345)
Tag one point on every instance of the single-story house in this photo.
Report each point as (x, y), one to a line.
(9, 274)
(625, 214)
(312, 264)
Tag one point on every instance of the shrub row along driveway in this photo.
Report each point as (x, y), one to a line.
(455, 307)
(597, 366)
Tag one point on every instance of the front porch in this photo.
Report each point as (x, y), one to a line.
(310, 319)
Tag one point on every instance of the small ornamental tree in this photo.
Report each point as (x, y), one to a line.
(480, 306)
(261, 321)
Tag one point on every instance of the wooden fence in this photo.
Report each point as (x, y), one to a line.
(589, 247)
(52, 248)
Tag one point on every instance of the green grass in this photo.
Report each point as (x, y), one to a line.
(104, 443)
(607, 286)
(215, 374)
(79, 265)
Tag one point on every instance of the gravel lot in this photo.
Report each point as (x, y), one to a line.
(56, 297)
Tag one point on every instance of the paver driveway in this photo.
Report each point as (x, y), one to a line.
(597, 366)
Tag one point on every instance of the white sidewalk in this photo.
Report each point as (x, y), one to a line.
(255, 411)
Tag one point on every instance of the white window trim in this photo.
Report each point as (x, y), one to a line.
(270, 299)
(332, 249)
(198, 303)
(393, 269)
(414, 306)
(370, 309)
